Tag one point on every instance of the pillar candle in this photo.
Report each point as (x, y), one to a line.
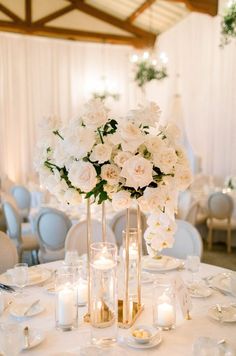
(65, 307)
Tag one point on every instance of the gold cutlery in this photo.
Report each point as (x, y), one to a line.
(26, 337)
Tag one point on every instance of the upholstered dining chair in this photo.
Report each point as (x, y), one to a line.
(77, 236)
(220, 207)
(22, 197)
(8, 253)
(187, 242)
(14, 229)
(51, 226)
(118, 225)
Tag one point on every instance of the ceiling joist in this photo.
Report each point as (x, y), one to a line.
(71, 34)
(136, 37)
(144, 6)
(209, 7)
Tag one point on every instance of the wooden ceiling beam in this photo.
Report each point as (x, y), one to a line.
(112, 20)
(10, 14)
(28, 11)
(144, 6)
(72, 34)
(209, 7)
(54, 15)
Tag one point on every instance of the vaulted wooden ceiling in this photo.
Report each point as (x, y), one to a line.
(131, 22)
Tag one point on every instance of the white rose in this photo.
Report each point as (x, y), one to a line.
(137, 171)
(156, 198)
(131, 136)
(83, 175)
(121, 158)
(101, 153)
(110, 190)
(121, 200)
(79, 141)
(72, 197)
(147, 115)
(154, 144)
(172, 132)
(110, 173)
(96, 114)
(165, 160)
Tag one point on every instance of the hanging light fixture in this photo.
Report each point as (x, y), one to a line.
(147, 65)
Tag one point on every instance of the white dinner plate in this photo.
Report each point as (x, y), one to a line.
(153, 343)
(222, 281)
(163, 264)
(147, 277)
(35, 338)
(227, 314)
(199, 291)
(37, 275)
(18, 310)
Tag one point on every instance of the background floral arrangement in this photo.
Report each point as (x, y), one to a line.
(230, 182)
(228, 24)
(120, 160)
(146, 71)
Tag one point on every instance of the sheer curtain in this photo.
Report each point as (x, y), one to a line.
(41, 76)
(207, 85)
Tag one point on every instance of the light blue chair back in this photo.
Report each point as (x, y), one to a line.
(51, 227)
(22, 197)
(13, 221)
(188, 242)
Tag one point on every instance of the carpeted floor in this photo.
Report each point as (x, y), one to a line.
(219, 257)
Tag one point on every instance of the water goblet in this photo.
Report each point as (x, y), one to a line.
(21, 276)
(71, 258)
(192, 265)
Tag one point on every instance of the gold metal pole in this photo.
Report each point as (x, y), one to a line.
(103, 222)
(139, 243)
(88, 249)
(126, 299)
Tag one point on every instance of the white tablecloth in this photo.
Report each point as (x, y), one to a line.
(177, 342)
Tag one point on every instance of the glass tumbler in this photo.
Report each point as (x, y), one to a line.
(66, 299)
(103, 293)
(164, 307)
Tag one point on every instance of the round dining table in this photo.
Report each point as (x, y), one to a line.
(176, 342)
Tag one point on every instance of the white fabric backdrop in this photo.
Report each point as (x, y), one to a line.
(39, 76)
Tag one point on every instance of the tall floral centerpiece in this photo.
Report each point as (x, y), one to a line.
(104, 158)
(123, 160)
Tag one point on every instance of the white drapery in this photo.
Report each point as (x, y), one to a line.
(40, 76)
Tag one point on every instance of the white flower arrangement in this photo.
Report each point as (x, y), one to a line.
(119, 160)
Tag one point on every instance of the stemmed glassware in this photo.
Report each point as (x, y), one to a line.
(193, 265)
(21, 276)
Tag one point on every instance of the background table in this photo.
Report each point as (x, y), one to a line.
(177, 342)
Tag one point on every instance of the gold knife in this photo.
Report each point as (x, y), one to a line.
(26, 337)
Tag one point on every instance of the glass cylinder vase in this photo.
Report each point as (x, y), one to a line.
(103, 293)
(66, 299)
(164, 308)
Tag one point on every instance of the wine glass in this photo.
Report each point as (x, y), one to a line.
(192, 265)
(10, 339)
(21, 275)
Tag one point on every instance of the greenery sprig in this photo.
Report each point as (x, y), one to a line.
(146, 72)
(228, 25)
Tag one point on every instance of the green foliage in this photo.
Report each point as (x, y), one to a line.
(147, 72)
(106, 94)
(228, 25)
(98, 192)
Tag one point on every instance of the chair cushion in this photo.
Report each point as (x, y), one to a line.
(29, 242)
(221, 224)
